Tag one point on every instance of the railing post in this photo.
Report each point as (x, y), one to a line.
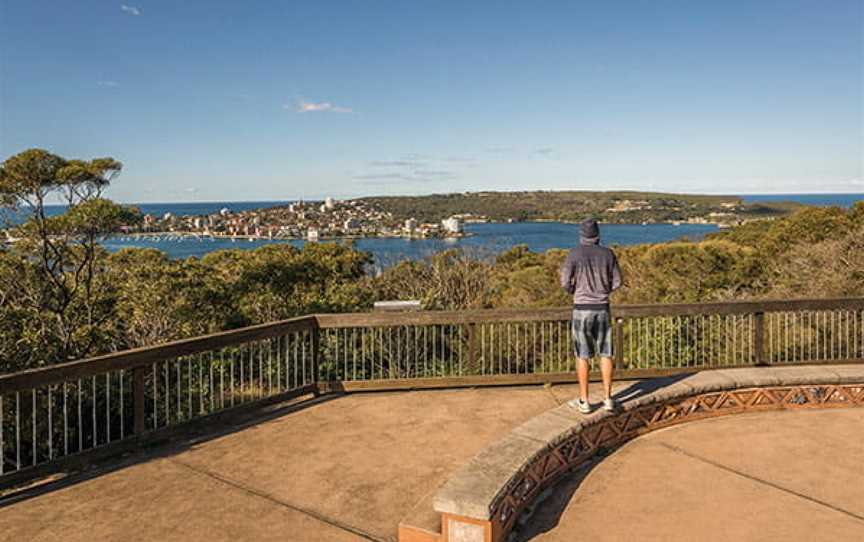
(618, 343)
(472, 346)
(316, 359)
(759, 338)
(138, 384)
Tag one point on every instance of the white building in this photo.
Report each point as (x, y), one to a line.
(329, 204)
(312, 234)
(452, 225)
(410, 225)
(352, 224)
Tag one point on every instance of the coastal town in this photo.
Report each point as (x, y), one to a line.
(312, 221)
(356, 218)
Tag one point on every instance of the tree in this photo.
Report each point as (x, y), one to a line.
(53, 275)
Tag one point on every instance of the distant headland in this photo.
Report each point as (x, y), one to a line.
(443, 215)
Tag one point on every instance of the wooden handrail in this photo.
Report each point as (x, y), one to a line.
(138, 357)
(376, 319)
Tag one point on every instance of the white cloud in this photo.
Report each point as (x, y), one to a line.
(545, 152)
(131, 10)
(311, 107)
(412, 168)
(501, 149)
(856, 182)
(107, 83)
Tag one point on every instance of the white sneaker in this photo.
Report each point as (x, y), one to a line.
(610, 404)
(583, 406)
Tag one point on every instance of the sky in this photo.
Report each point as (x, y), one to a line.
(276, 100)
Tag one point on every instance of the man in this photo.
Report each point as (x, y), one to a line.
(590, 273)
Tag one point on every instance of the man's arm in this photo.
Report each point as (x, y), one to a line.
(566, 274)
(616, 273)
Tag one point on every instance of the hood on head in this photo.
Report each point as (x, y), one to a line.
(589, 232)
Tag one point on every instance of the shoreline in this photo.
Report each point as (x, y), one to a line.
(243, 237)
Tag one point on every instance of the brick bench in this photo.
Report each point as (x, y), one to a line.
(482, 500)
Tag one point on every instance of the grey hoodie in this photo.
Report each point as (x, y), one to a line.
(590, 273)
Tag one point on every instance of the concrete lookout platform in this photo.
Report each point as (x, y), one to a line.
(422, 465)
(482, 500)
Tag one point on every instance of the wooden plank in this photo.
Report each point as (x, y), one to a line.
(428, 318)
(491, 380)
(379, 319)
(736, 307)
(618, 341)
(129, 359)
(478, 381)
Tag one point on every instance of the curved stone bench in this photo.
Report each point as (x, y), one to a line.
(483, 499)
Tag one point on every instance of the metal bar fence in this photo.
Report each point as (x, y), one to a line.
(43, 423)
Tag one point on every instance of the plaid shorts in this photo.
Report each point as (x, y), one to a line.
(592, 333)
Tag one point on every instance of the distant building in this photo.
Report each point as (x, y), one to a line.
(329, 203)
(452, 225)
(312, 234)
(411, 225)
(167, 216)
(352, 224)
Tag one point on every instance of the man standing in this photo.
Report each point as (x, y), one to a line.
(590, 273)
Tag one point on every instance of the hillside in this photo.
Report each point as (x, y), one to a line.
(615, 207)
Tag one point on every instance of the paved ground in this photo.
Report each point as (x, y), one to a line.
(770, 476)
(348, 469)
(344, 469)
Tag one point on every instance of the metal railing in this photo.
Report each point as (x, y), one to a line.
(58, 415)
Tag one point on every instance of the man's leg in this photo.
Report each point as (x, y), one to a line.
(583, 378)
(607, 368)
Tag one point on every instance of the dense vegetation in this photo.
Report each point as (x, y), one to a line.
(571, 206)
(62, 297)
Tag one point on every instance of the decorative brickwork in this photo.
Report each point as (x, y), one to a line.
(612, 431)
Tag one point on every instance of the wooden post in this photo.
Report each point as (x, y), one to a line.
(618, 340)
(138, 401)
(759, 339)
(316, 359)
(472, 347)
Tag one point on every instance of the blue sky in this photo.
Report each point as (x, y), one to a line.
(228, 100)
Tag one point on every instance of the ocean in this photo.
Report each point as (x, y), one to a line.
(485, 239)
(822, 200)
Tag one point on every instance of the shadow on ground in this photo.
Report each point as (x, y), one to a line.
(195, 433)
